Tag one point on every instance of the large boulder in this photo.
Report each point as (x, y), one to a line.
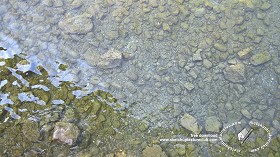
(235, 73)
(80, 24)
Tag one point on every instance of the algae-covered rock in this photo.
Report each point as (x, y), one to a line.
(260, 58)
(155, 151)
(66, 132)
(30, 130)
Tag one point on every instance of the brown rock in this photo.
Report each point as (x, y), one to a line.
(235, 73)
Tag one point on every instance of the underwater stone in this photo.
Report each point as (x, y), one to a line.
(199, 12)
(207, 63)
(30, 130)
(155, 151)
(80, 24)
(265, 6)
(189, 86)
(235, 73)
(220, 47)
(196, 57)
(246, 113)
(180, 149)
(213, 124)
(190, 123)
(260, 58)
(153, 3)
(111, 59)
(243, 54)
(66, 132)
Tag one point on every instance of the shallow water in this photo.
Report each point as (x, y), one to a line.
(217, 61)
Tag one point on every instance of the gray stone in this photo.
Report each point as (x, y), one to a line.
(220, 47)
(213, 124)
(111, 59)
(66, 132)
(235, 73)
(260, 58)
(193, 74)
(129, 87)
(265, 6)
(199, 12)
(246, 113)
(80, 24)
(132, 75)
(189, 86)
(196, 57)
(57, 3)
(76, 4)
(153, 3)
(207, 63)
(257, 114)
(190, 123)
(228, 106)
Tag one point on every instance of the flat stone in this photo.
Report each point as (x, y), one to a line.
(265, 6)
(190, 123)
(111, 59)
(243, 54)
(246, 113)
(80, 24)
(207, 64)
(213, 124)
(260, 58)
(196, 57)
(66, 132)
(220, 47)
(235, 73)
(189, 86)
